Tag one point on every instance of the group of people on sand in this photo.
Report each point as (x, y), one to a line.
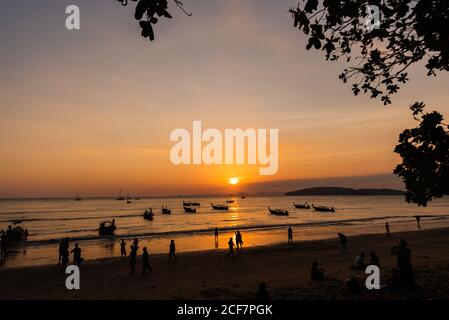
(401, 276)
(238, 244)
(64, 253)
(145, 255)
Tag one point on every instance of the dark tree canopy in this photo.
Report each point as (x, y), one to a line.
(148, 11)
(425, 157)
(409, 31)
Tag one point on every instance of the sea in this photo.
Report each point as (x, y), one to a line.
(50, 220)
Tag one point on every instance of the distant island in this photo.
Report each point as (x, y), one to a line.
(338, 191)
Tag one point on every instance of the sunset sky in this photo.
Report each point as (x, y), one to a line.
(91, 111)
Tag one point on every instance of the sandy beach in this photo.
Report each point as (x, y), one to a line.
(212, 275)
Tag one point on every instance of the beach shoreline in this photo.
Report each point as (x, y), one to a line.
(212, 275)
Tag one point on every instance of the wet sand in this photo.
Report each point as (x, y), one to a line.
(213, 275)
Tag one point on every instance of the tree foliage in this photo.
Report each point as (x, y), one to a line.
(425, 157)
(148, 11)
(409, 31)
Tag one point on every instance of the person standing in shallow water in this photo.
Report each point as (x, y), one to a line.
(231, 247)
(387, 230)
(290, 235)
(172, 253)
(418, 219)
(216, 234)
(145, 261)
(123, 248)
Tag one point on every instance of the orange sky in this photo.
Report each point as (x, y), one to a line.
(91, 111)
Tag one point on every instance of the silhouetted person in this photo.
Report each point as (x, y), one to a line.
(262, 294)
(374, 259)
(231, 247)
(353, 285)
(172, 253)
(216, 234)
(133, 255)
(316, 273)
(394, 282)
(3, 245)
(359, 262)
(123, 248)
(145, 261)
(65, 257)
(77, 255)
(387, 230)
(418, 218)
(61, 250)
(290, 235)
(404, 262)
(239, 240)
(343, 240)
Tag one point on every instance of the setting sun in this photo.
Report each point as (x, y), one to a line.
(233, 181)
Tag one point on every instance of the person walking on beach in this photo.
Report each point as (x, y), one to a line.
(123, 248)
(239, 240)
(343, 240)
(133, 255)
(231, 247)
(76, 255)
(387, 230)
(290, 235)
(145, 261)
(61, 250)
(404, 263)
(172, 253)
(65, 257)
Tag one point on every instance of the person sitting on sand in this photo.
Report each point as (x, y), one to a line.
(353, 285)
(394, 282)
(359, 262)
(231, 247)
(123, 248)
(387, 230)
(262, 294)
(172, 253)
(316, 273)
(404, 263)
(290, 235)
(76, 255)
(343, 240)
(145, 261)
(374, 259)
